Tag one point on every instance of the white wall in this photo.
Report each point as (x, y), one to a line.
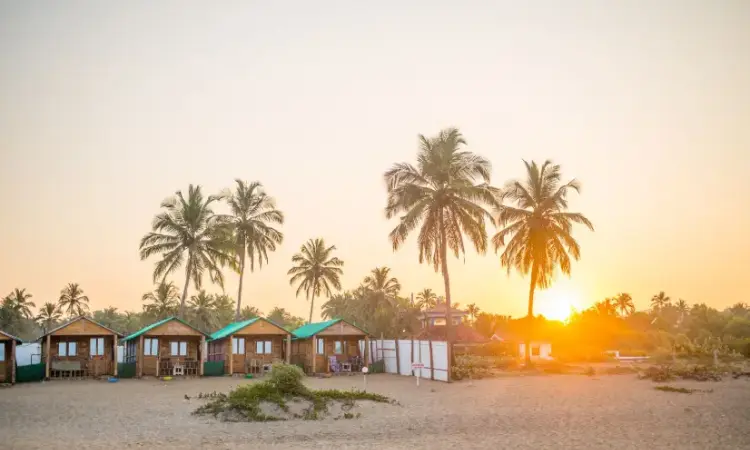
(545, 350)
(386, 350)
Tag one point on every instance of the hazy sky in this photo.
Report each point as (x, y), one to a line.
(106, 108)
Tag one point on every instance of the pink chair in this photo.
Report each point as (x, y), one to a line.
(333, 364)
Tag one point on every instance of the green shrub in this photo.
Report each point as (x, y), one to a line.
(473, 367)
(287, 378)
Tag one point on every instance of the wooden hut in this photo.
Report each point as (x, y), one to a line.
(8, 357)
(250, 346)
(169, 347)
(80, 348)
(331, 346)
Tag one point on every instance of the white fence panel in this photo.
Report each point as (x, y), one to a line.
(440, 360)
(404, 357)
(388, 349)
(27, 354)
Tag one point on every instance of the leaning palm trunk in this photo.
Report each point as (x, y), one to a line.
(185, 290)
(447, 281)
(312, 302)
(239, 290)
(530, 315)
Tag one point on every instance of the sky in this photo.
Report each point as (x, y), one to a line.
(107, 108)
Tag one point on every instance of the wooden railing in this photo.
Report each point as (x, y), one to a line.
(69, 368)
(190, 367)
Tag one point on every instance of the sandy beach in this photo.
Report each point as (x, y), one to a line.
(514, 412)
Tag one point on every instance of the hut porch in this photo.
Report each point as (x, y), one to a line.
(8, 358)
(79, 349)
(330, 347)
(249, 346)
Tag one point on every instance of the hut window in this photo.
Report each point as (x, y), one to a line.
(67, 348)
(338, 347)
(179, 348)
(96, 347)
(238, 346)
(2, 352)
(321, 346)
(263, 347)
(151, 347)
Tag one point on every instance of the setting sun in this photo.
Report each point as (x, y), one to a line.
(558, 302)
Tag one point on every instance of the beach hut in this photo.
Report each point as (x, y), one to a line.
(330, 346)
(169, 347)
(8, 357)
(250, 346)
(80, 348)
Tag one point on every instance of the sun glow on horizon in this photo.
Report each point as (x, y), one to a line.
(558, 302)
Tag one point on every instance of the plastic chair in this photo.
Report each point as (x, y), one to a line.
(333, 364)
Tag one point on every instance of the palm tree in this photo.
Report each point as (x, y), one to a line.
(426, 299)
(188, 227)
(441, 197)
(108, 317)
(624, 303)
(202, 310)
(252, 212)
(316, 270)
(225, 311)
(338, 306)
(606, 307)
(473, 310)
(164, 301)
(682, 306)
(538, 229)
(250, 312)
(379, 281)
(19, 298)
(48, 316)
(660, 300)
(73, 301)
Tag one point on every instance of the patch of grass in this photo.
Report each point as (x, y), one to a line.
(283, 385)
(680, 390)
(699, 372)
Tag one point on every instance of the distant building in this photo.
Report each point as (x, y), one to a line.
(434, 321)
(540, 350)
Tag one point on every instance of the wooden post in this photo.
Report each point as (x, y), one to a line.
(200, 357)
(314, 352)
(412, 354)
(289, 349)
(47, 357)
(432, 364)
(12, 361)
(367, 351)
(231, 355)
(398, 362)
(139, 357)
(114, 356)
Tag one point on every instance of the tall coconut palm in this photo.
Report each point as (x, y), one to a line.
(338, 306)
(441, 197)
(250, 312)
(48, 316)
(660, 300)
(225, 311)
(606, 307)
(73, 301)
(624, 304)
(473, 310)
(253, 211)
(202, 310)
(316, 271)
(682, 306)
(19, 298)
(538, 229)
(188, 234)
(163, 301)
(426, 299)
(379, 281)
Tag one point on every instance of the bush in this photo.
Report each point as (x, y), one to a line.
(473, 367)
(287, 378)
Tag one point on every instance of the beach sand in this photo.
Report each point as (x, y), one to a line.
(519, 412)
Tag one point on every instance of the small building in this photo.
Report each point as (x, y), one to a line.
(316, 346)
(438, 316)
(250, 346)
(540, 350)
(8, 344)
(80, 348)
(169, 347)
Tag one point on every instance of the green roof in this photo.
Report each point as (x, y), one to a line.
(311, 329)
(156, 324)
(232, 327)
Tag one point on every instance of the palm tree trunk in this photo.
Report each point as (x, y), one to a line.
(181, 313)
(312, 302)
(239, 290)
(447, 282)
(530, 315)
